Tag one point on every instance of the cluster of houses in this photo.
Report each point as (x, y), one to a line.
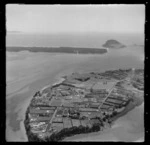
(76, 101)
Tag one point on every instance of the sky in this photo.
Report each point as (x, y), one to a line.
(75, 18)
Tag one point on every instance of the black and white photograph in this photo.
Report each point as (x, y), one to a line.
(75, 73)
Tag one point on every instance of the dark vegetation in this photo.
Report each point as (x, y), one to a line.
(66, 132)
(83, 79)
(58, 50)
(113, 44)
(98, 125)
(31, 136)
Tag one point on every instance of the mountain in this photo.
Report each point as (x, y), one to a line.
(113, 44)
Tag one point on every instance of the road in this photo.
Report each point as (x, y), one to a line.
(108, 94)
(81, 107)
(111, 91)
(48, 126)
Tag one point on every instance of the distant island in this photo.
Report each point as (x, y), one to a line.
(77, 50)
(113, 44)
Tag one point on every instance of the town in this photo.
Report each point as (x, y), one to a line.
(83, 101)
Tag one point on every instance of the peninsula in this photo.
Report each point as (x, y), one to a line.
(76, 50)
(83, 103)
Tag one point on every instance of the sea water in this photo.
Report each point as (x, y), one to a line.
(27, 72)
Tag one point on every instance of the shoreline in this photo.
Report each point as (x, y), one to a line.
(104, 135)
(131, 105)
(31, 85)
(19, 135)
(63, 50)
(21, 108)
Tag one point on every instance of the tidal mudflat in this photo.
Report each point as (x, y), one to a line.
(29, 72)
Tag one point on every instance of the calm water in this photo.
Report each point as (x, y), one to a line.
(78, 40)
(28, 72)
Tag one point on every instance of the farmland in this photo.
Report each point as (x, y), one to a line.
(72, 107)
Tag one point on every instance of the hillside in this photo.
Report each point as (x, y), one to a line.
(113, 44)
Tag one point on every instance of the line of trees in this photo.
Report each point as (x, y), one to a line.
(59, 49)
(66, 132)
